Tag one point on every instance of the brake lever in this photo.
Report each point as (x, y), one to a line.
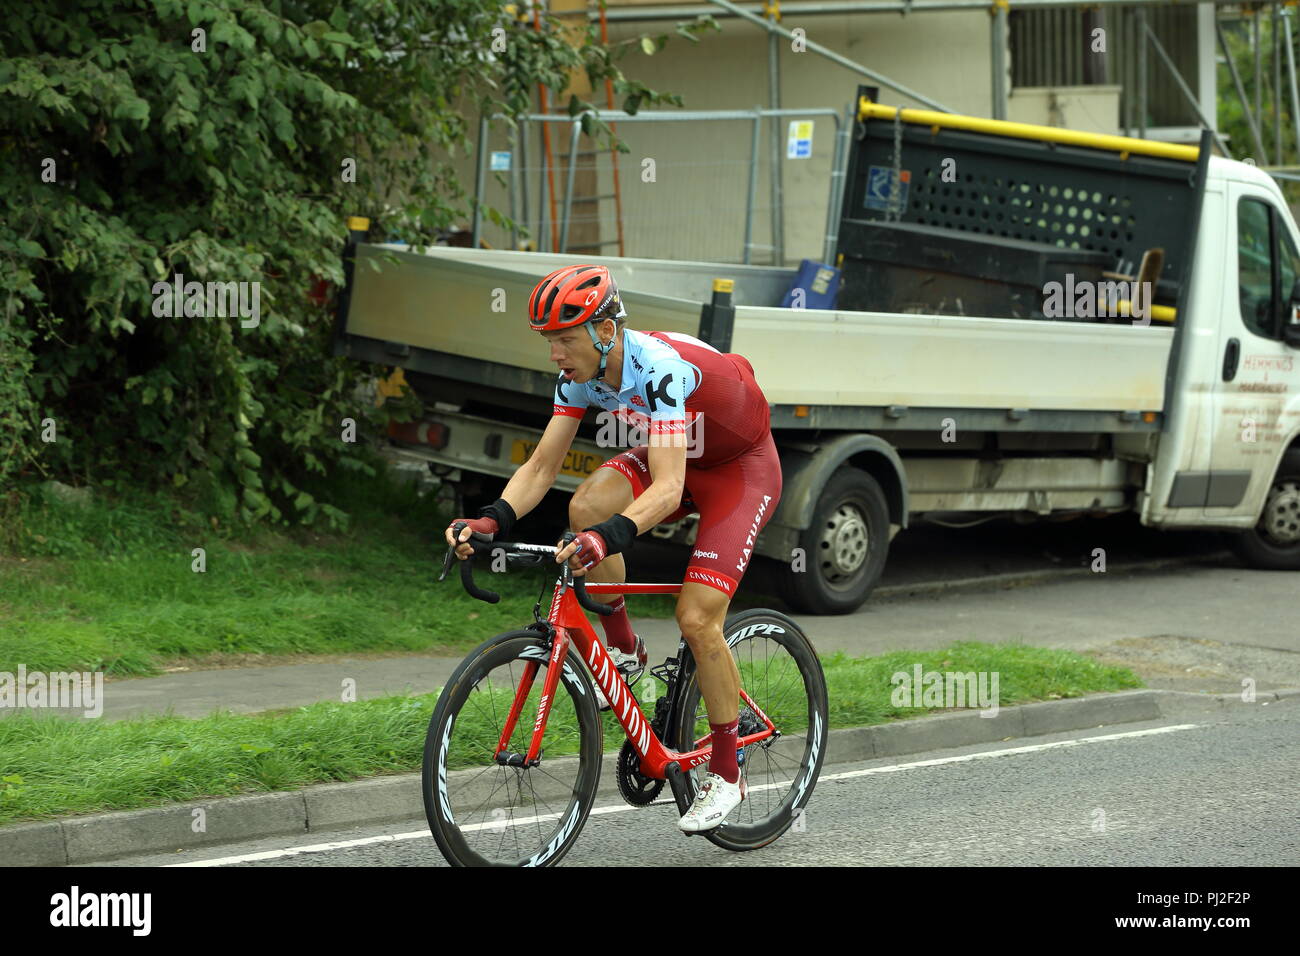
(451, 552)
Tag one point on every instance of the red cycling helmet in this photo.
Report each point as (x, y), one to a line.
(573, 295)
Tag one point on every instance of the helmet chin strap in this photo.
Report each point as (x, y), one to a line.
(603, 348)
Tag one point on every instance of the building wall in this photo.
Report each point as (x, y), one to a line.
(695, 208)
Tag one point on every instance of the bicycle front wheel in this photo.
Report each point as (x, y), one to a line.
(483, 813)
(781, 673)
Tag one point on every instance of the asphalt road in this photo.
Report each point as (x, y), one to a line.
(1219, 792)
(1214, 790)
(926, 553)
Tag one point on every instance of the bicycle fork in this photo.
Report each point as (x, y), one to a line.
(559, 641)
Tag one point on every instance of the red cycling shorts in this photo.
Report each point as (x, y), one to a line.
(734, 501)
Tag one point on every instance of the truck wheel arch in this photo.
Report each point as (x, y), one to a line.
(1253, 546)
(809, 470)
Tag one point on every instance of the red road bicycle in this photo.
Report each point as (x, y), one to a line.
(513, 756)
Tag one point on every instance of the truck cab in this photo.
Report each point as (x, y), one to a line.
(1235, 422)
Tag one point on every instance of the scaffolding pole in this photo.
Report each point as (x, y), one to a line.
(1290, 69)
(840, 7)
(568, 186)
(1277, 87)
(514, 187)
(753, 187)
(1182, 85)
(480, 174)
(838, 175)
(774, 103)
(1142, 73)
(1259, 84)
(998, 36)
(833, 56)
(1241, 94)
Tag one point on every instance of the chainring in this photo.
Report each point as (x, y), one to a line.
(636, 788)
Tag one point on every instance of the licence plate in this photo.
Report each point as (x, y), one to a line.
(577, 464)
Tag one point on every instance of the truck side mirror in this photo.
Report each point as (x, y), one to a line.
(1291, 329)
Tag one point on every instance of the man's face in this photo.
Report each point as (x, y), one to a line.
(573, 353)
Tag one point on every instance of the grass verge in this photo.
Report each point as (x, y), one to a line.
(51, 767)
(117, 585)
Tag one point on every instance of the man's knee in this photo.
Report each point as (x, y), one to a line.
(598, 498)
(696, 622)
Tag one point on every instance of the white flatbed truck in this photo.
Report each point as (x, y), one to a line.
(939, 387)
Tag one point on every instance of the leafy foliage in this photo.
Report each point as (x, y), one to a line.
(1275, 104)
(146, 139)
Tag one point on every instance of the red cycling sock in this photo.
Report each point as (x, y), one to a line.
(723, 759)
(618, 629)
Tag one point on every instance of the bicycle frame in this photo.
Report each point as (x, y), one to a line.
(569, 623)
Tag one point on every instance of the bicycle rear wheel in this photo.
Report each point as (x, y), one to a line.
(485, 814)
(781, 673)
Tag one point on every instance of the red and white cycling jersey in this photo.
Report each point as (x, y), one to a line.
(674, 382)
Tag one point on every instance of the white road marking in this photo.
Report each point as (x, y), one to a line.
(1004, 753)
(424, 834)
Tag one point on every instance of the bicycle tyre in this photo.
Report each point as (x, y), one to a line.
(738, 630)
(438, 804)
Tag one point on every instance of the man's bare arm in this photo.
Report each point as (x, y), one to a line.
(667, 460)
(534, 478)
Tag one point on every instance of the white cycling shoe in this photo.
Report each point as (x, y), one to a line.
(630, 666)
(715, 799)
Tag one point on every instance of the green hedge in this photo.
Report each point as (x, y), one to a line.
(209, 139)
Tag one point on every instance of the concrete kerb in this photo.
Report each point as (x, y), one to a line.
(104, 837)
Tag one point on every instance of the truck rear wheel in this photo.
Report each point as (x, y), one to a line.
(1274, 543)
(844, 547)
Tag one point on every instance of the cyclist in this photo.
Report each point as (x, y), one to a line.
(672, 387)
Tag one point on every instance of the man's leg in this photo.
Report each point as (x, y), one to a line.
(602, 495)
(701, 612)
(735, 500)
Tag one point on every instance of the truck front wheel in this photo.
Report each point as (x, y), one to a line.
(1274, 543)
(843, 550)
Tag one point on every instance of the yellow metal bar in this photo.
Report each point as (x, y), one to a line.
(1159, 313)
(1049, 134)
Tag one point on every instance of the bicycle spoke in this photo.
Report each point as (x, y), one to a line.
(774, 679)
(537, 816)
(470, 814)
(485, 769)
(563, 783)
(511, 814)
